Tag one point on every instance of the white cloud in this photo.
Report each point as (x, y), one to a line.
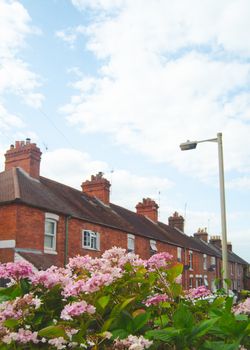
(16, 76)
(171, 71)
(70, 35)
(73, 167)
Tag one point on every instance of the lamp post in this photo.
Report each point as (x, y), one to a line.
(192, 145)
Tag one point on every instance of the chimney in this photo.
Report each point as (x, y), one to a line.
(202, 234)
(176, 221)
(216, 240)
(229, 246)
(97, 187)
(148, 207)
(25, 155)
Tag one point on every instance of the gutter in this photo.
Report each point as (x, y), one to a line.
(66, 242)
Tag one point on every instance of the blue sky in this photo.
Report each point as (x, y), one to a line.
(117, 85)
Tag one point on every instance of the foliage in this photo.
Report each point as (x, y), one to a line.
(117, 301)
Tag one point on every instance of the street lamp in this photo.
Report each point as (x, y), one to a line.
(192, 145)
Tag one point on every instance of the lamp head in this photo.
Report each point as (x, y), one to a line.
(186, 146)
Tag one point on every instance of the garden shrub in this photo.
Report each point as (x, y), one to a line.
(117, 301)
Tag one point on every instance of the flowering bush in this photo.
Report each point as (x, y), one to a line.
(117, 301)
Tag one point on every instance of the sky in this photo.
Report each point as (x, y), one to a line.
(116, 86)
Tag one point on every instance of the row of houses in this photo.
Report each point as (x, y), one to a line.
(46, 222)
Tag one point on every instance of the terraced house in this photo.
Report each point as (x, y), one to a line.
(45, 222)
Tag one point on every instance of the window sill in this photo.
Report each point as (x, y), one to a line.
(95, 250)
(47, 251)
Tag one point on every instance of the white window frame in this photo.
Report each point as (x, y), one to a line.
(179, 252)
(191, 281)
(213, 260)
(153, 246)
(51, 218)
(190, 259)
(131, 243)
(204, 261)
(205, 280)
(93, 237)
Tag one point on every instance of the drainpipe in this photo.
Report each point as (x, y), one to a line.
(66, 242)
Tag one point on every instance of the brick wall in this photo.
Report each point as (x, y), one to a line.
(26, 225)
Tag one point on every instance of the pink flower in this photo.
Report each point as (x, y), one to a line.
(242, 308)
(156, 299)
(132, 342)
(51, 277)
(159, 260)
(16, 270)
(76, 309)
(22, 336)
(195, 293)
(59, 343)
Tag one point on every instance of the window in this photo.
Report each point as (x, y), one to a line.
(191, 282)
(231, 269)
(199, 282)
(179, 254)
(153, 247)
(205, 281)
(204, 261)
(90, 240)
(213, 262)
(50, 232)
(190, 262)
(131, 243)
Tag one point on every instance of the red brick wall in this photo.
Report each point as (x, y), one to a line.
(8, 215)
(26, 225)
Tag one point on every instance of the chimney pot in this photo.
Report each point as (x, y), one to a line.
(97, 187)
(148, 207)
(202, 234)
(26, 156)
(176, 221)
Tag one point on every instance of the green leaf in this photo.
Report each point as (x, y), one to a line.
(241, 317)
(25, 286)
(103, 301)
(183, 317)
(107, 324)
(164, 335)
(119, 333)
(119, 307)
(203, 327)
(174, 272)
(140, 320)
(219, 345)
(11, 292)
(10, 323)
(52, 332)
(161, 321)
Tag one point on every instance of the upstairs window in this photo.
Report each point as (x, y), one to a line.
(213, 260)
(131, 243)
(204, 261)
(179, 250)
(90, 240)
(50, 232)
(153, 247)
(190, 260)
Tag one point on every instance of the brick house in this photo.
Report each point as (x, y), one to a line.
(46, 222)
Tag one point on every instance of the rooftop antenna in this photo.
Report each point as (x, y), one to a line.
(159, 201)
(111, 179)
(45, 146)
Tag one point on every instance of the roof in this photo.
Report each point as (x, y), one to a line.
(232, 257)
(17, 186)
